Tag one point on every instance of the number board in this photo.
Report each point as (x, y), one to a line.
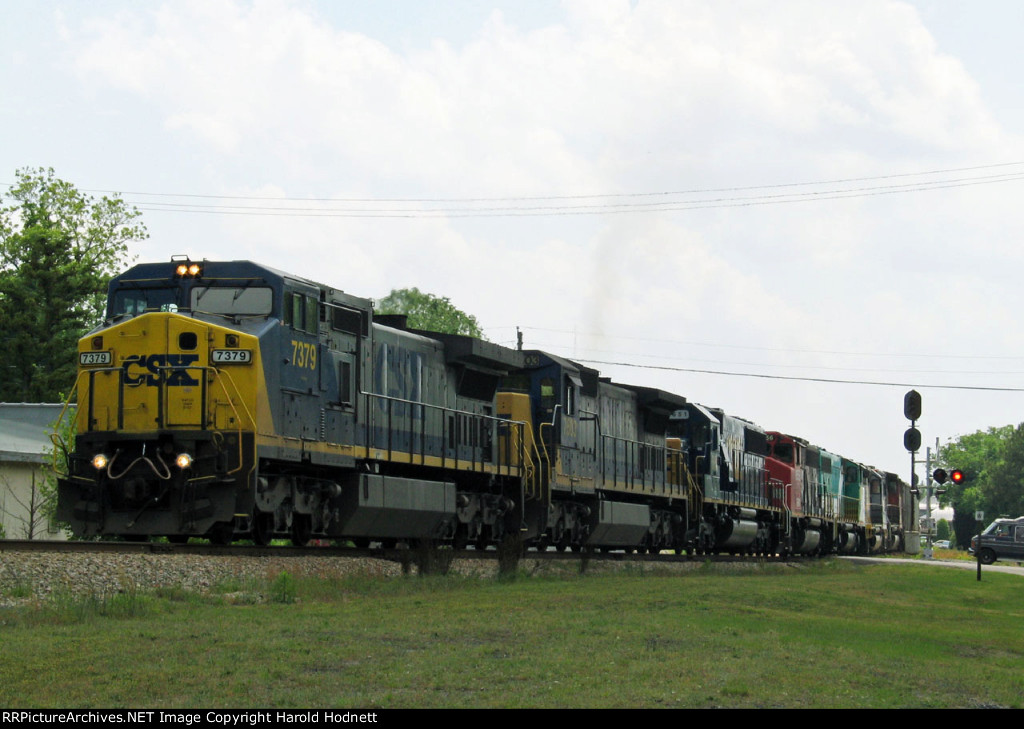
(231, 356)
(94, 358)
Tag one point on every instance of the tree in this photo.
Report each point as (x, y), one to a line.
(58, 250)
(429, 312)
(1004, 493)
(987, 458)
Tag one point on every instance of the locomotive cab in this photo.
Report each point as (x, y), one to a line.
(167, 407)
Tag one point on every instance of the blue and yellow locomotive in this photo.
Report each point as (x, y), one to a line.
(230, 400)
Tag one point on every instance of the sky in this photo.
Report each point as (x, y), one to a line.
(768, 207)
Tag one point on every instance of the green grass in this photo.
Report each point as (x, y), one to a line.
(819, 634)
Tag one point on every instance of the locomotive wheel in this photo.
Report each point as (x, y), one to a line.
(987, 556)
(482, 539)
(221, 533)
(564, 538)
(302, 529)
(262, 527)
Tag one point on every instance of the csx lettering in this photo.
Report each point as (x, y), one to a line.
(146, 370)
(303, 354)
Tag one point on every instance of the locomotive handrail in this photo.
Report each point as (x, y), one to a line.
(696, 492)
(532, 489)
(93, 371)
(374, 398)
(631, 456)
(217, 372)
(544, 444)
(779, 490)
(55, 438)
(849, 509)
(630, 449)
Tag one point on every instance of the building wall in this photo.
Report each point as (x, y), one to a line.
(20, 517)
(25, 461)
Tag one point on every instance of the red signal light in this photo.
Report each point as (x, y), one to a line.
(956, 476)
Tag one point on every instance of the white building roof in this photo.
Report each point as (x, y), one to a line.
(25, 431)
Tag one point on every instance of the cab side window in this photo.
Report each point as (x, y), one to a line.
(301, 312)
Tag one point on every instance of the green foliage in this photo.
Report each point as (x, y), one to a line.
(62, 438)
(58, 250)
(1005, 492)
(65, 607)
(283, 589)
(429, 312)
(993, 462)
(942, 530)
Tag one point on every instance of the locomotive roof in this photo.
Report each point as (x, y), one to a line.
(225, 272)
(562, 362)
(211, 269)
(658, 399)
(459, 348)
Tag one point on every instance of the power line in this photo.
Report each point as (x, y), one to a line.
(782, 350)
(694, 191)
(577, 210)
(841, 368)
(553, 205)
(799, 379)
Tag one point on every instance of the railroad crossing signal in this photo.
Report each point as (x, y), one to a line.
(912, 405)
(956, 476)
(912, 411)
(912, 439)
(939, 475)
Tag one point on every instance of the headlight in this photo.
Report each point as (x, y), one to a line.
(189, 269)
(183, 461)
(100, 461)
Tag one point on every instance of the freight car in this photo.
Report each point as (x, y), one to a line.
(230, 400)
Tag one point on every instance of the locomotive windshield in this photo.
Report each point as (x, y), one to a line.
(136, 300)
(233, 300)
(783, 452)
(221, 300)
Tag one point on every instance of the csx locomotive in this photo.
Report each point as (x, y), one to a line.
(229, 400)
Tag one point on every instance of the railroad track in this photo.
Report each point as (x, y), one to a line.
(397, 554)
(39, 568)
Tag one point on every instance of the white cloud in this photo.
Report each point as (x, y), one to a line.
(528, 111)
(273, 97)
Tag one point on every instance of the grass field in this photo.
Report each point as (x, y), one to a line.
(819, 634)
